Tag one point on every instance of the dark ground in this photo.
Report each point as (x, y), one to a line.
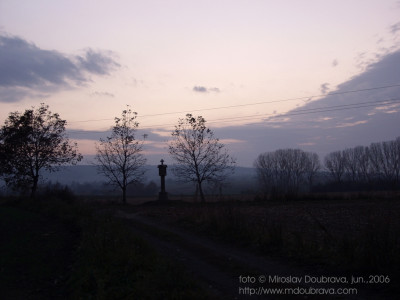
(36, 254)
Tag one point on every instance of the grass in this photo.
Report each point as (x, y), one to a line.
(348, 237)
(35, 255)
(114, 264)
(59, 250)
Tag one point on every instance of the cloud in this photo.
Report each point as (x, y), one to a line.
(305, 144)
(100, 63)
(335, 62)
(102, 94)
(200, 89)
(203, 89)
(258, 138)
(10, 94)
(333, 122)
(214, 89)
(395, 28)
(25, 65)
(27, 70)
(231, 141)
(350, 124)
(324, 88)
(312, 127)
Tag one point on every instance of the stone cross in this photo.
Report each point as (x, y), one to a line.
(162, 171)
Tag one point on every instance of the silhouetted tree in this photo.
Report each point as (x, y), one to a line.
(267, 171)
(313, 165)
(385, 160)
(200, 157)
(285, 170)
(351, 163)
(32, 141)
(357, 164)
(120, 156)
(335, 163)
(364, 169)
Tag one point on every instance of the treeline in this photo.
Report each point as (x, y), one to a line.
(290, 171)
(286, 171)
(376, 165)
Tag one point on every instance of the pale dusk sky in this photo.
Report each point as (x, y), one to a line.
(88, 59)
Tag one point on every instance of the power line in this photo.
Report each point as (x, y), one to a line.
(294, 113)
(249, 104)
(299, 112)
(276, 101)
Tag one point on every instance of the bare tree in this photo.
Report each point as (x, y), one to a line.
(285, 170)
(120, 156)
(33, 141)
(313, 165)
(267, 171)
(385, 160)
(396, 146)
(363, 164)
(291, 167)
(377, 162)
(199, 156)
(335, 163)
(350, 163)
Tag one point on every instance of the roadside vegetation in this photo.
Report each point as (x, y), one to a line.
(349, 234)
(58, 249)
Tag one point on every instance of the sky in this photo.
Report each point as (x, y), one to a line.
(264, 74)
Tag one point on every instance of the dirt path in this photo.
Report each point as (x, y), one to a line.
(218, 267)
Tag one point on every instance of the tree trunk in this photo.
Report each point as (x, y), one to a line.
(202, 198)
(34, 186)
(196, 193)
(124, 195)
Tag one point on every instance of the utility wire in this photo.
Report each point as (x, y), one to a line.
(251, 104)
(299, 112)
(277, 101)
(294, 113)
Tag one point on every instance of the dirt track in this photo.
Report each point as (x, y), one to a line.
(217, 267)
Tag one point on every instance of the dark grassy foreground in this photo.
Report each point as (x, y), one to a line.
(35, 255)
(58, 250)
(352, 237)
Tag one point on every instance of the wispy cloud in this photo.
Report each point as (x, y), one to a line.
(11, 94)
(203, 89)
(324, 88)
(27, 69)
(351, 124)
(200, 89)
(102, 94)
(100, 62)
(231, 141)
(395, 28)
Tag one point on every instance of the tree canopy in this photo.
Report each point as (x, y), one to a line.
(285, 171)
(119, 156)
(198, 154)
(32, 141)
